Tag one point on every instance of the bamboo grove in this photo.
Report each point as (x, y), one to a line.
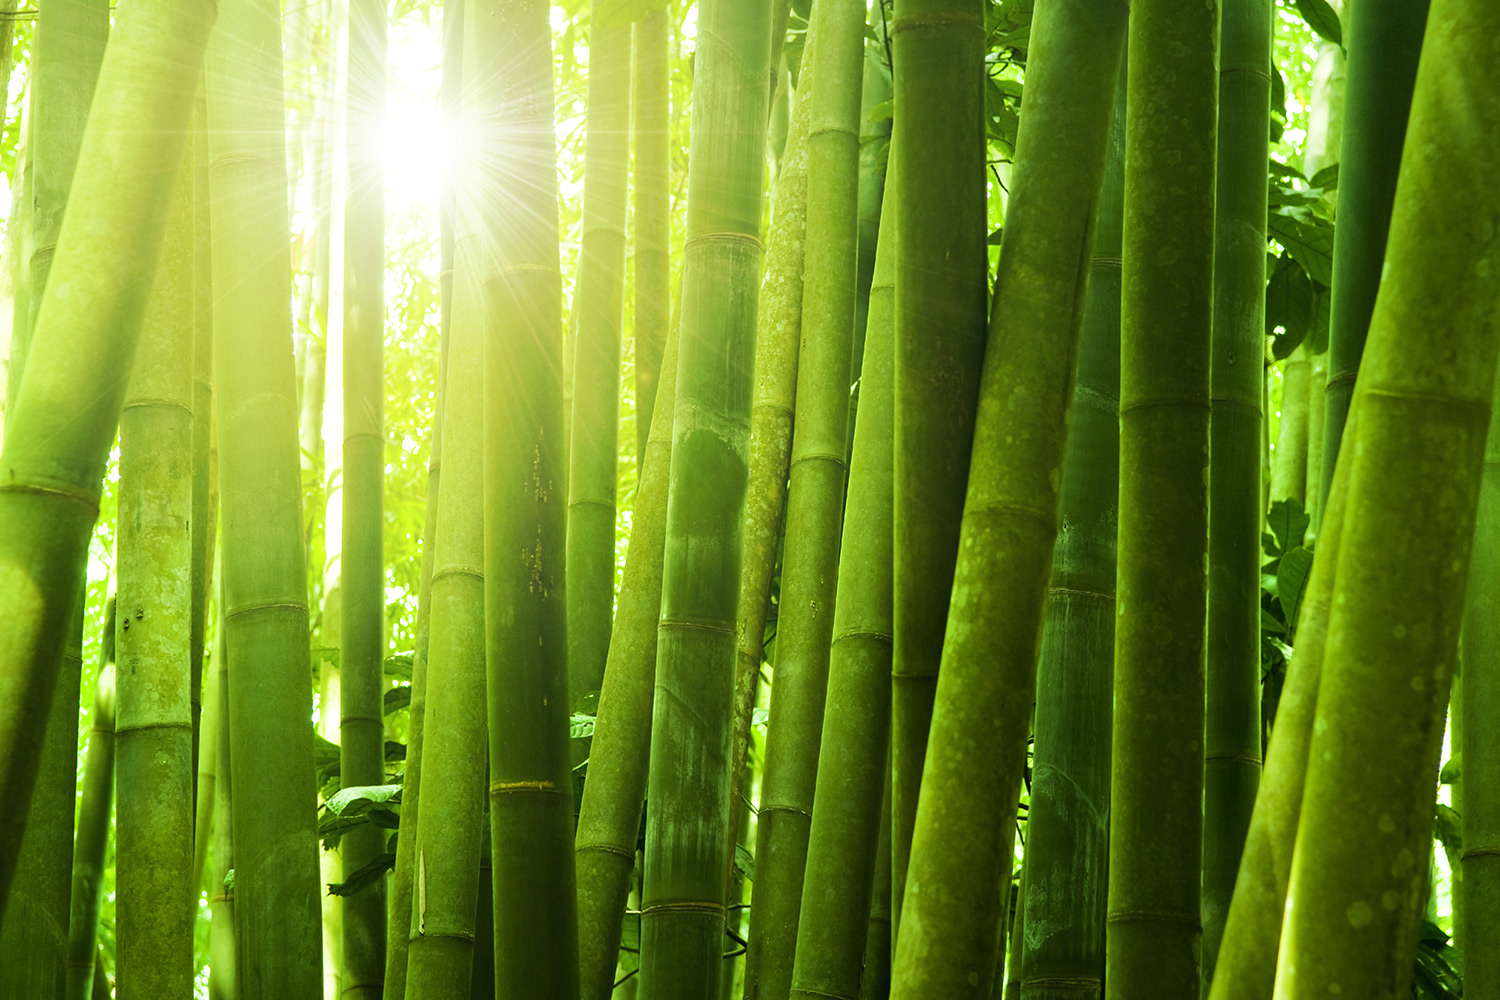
(754, 499)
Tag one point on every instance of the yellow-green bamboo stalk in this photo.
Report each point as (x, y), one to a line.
(94, 808)
(652, 188)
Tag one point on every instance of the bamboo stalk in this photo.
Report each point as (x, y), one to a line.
(651, 100)
(92, 837)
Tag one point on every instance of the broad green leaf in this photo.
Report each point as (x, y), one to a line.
(1269, 623)
(1327, 178)
(1288, 522)
(744, 863)
(1309, 241)
(1452, 770)
(581, 727)
(397, 698)
(1289, 307)
(1449, 830)
(1323, 19)
(367, 875)
(1291, 583)
(357, 799)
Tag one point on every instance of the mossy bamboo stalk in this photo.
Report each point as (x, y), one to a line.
(609, 818)
(265, 578)
(833, 930)
(59, 432)
(1289, 460)
(651, 102)
(153, 722)
(778, 334)
(398, 932)
(1068, 821)
(1232, 750)
(1246, 965)
(687, 860)
(1156, 785)
(361, 556)
(92, 836)
(508, 90)
(450, 827)
(953, 919)
(815, 499)
(941, 273)
(1381, 39)
(1477, 739)
(598, 318)
(1424, 398)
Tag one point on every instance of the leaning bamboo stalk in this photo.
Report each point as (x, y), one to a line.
(94, 808)
(651, 101)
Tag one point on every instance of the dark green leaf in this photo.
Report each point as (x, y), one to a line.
(357, 799)
(1323, 19)
(1285, 171)
(1288, 522)
(994, 239)
(367, 875)
(399, 665)
(744, 863)
(1309, 240)
(1452, 770)
(1278, 91)
(1449, 830)
(1291, 582)
(1289, 307)
(397, 698)
(1327, 178)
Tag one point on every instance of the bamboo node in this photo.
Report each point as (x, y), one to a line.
(1143, 916)
(763, 809)
(86, 498)
(1242, 758)
(619, 852)
(749, 239)
(684, 906)
(937, 20)
(547, 787)
(697, 626)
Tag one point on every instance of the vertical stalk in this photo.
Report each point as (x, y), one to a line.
(598, 316)
(223, 952)
(1424, 398)
(59, 432)
(874, 150)
(1067, 824)
(362, 575)
(1232, 751)
(833, 930)
(953, 919)
(1156, 787)
(265, 578)
(508, 89)
(1382, 68)
(94, 808)
(687, 857)
(1289, 460)
(205, 511)
(875, 980)
(815, 499)
(609, 817)
(153, 726)
(651, 100)
(941, 272)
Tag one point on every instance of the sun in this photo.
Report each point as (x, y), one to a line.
(416, 144)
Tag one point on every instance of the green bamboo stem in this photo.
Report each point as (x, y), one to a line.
(12, 276)
(874, 147)
(609, 818)
(1289, 460)
(777, 337)
(941, 272)
(1475, 738)
(1317, 388)
(687, 858)
(651, 101)
(833, 930)
(361, 556)
(952, 916)
(398, 931)
(875, 980)
(223, 952)
(1381, 38)
(153, 724)
(1246, 965)
(1424, 397)
(1232, 750)
(779, 127)
(1156, 786)
(450, 825)
(508, 90)
(205, 512)
(206, 776)
(815, 499)
(60, 430)
(1068, 820)
(598, 317)
(265, 580)
(92, 837)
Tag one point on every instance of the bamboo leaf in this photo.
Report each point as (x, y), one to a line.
(1309, 241)
(1323, 19)
(397, 698)
(1291, 582)
(366, 876)
(1289, 307)
(359, 799)
(1452, 770)
(1288, 523)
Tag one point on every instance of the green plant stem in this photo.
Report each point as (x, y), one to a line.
(1289, 460)
(941, 273)
(652, 189)
(62, 422)
(1067, 823)
(223, 952)
(92, 837)
(1156, 787)
(1424, 398)
(687, 860)
(953, 920)
(1232, 751)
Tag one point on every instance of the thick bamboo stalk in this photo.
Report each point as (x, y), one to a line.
(362, 570)
(205, 513)
(953, 919)
(1067, 825)
(1382, 68)
(1232, 750)
(687, 857)
(153, 722)
(513, 190)
(941, 273)
(815, 500)
(609, 817)
(652, 189)
(874, 150)
(1156, 786)
(265, 580)
(1424, 398)
(60, 430)
(833, 931)
(598, 318)
(1289, 460)
(778, 334)
(94, 809)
